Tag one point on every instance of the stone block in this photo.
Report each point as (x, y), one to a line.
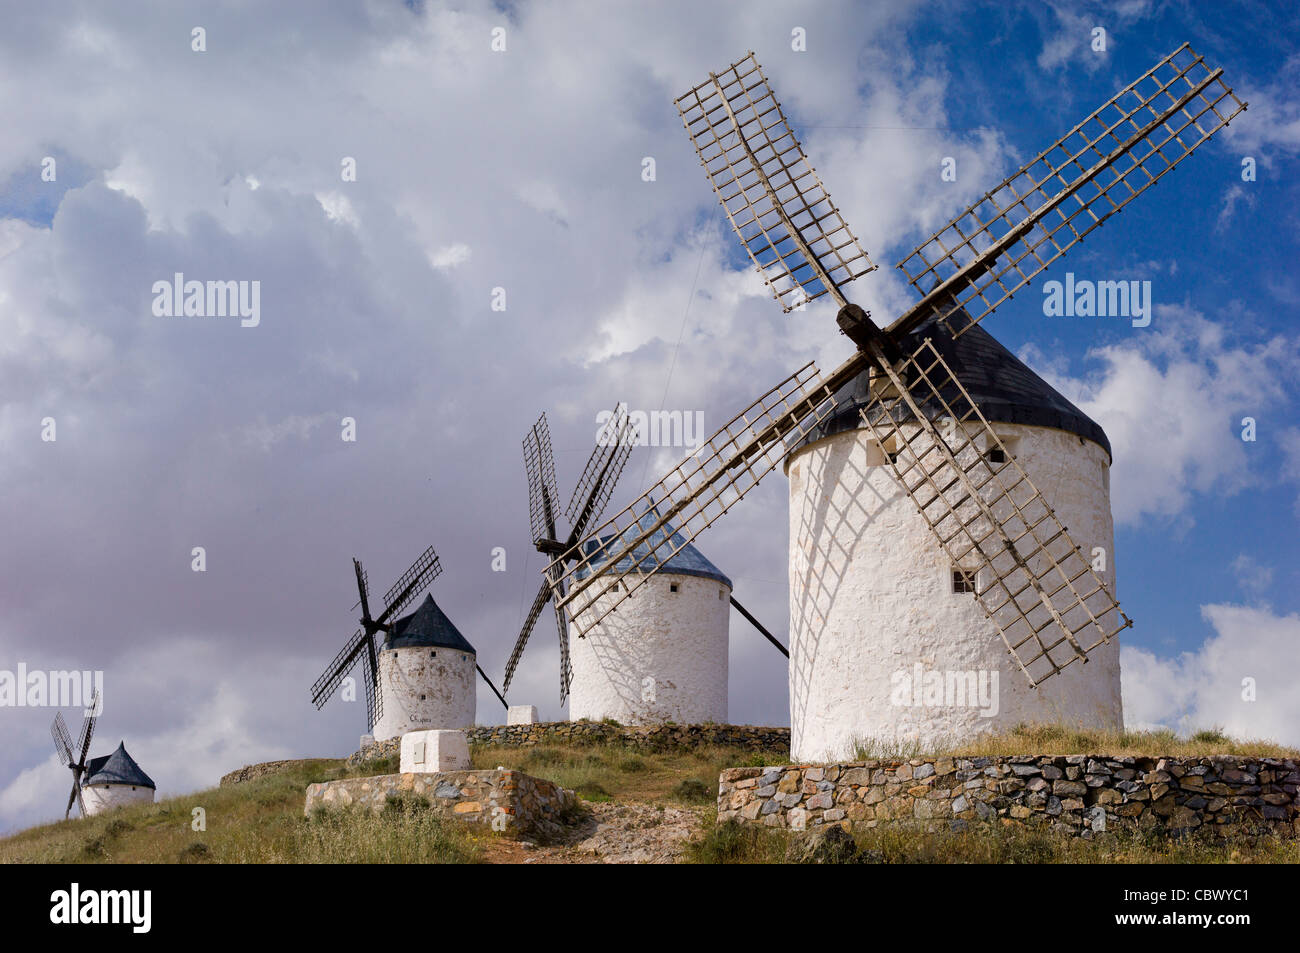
(521, 715)
(430, 752)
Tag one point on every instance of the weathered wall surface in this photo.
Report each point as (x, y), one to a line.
(105, 797)
(1076, 794)
(639, 737)
(425, 688)
(662, 656)
(508, 801)
(871, 597)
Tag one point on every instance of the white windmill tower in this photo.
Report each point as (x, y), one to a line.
(114, 780)
(664, 656)
(976, 520)
(421, 676)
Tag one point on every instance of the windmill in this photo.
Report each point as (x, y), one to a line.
(364, 645)
(1039, 591)
(75, 757)
(590, 496)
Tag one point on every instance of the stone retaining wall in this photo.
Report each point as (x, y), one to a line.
(640, 737)
(511, 802)
(1076, 794)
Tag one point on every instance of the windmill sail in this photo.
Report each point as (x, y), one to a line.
(773, 198)
(999, 244)
(539, 465)
(1033, 582)
(695, 494)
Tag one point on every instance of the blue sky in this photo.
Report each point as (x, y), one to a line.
(522, 170)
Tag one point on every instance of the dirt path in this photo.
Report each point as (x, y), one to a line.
(611, 833)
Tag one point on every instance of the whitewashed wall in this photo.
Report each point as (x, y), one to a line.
(445, 679)
(662, 656)
(104, 797)
(871, 595)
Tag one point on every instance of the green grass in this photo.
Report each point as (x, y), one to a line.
(605, 772)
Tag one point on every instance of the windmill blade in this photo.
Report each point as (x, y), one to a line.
(374, 697)
(539, 465)
(1036, 586)
(534, 613)
(62, 738)
(604, 467)
(562, 625)
(363, 589)
(773, 198)
(329, 681)
(999, 244)
(695, 494)
(74, 797)
(411, 583)
(88, 728)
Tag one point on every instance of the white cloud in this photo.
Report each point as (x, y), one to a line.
(1251, 575)
(1205, 688)
(449, 256)
(1171, 400)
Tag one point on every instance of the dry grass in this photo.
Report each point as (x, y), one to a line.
(1062, 740)
(733, 843)
(261, 821)
(258, 822)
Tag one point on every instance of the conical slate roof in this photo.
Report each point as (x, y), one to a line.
(117, 768)
(687, 561)
(1005, 390)
(427, 626)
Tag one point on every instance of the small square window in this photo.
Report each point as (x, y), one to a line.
(421, 698)
(995, 455)
(433, 654)
(963, 580)
(672, 587)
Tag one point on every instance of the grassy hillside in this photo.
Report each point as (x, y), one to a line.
(261, 821)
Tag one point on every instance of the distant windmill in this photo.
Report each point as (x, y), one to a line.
(980, 510)
(364, 644)
(75, 757)
(590, 497)
(618, 692)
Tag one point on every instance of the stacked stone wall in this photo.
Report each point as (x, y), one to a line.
(1075, 794)
(511, 802)
(665, 737)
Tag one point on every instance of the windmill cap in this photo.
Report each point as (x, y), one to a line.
(686, 561)
(1002, 386)
(117, 768)
(427, 627)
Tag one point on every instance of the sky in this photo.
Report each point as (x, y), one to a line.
(522, 169)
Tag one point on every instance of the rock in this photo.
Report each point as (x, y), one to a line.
(1069, 787)
(825, 845)
(924, 771)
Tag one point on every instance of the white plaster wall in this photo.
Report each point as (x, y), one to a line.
(104, 797)
(445, 677)
(871, 595)
(661, 656)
